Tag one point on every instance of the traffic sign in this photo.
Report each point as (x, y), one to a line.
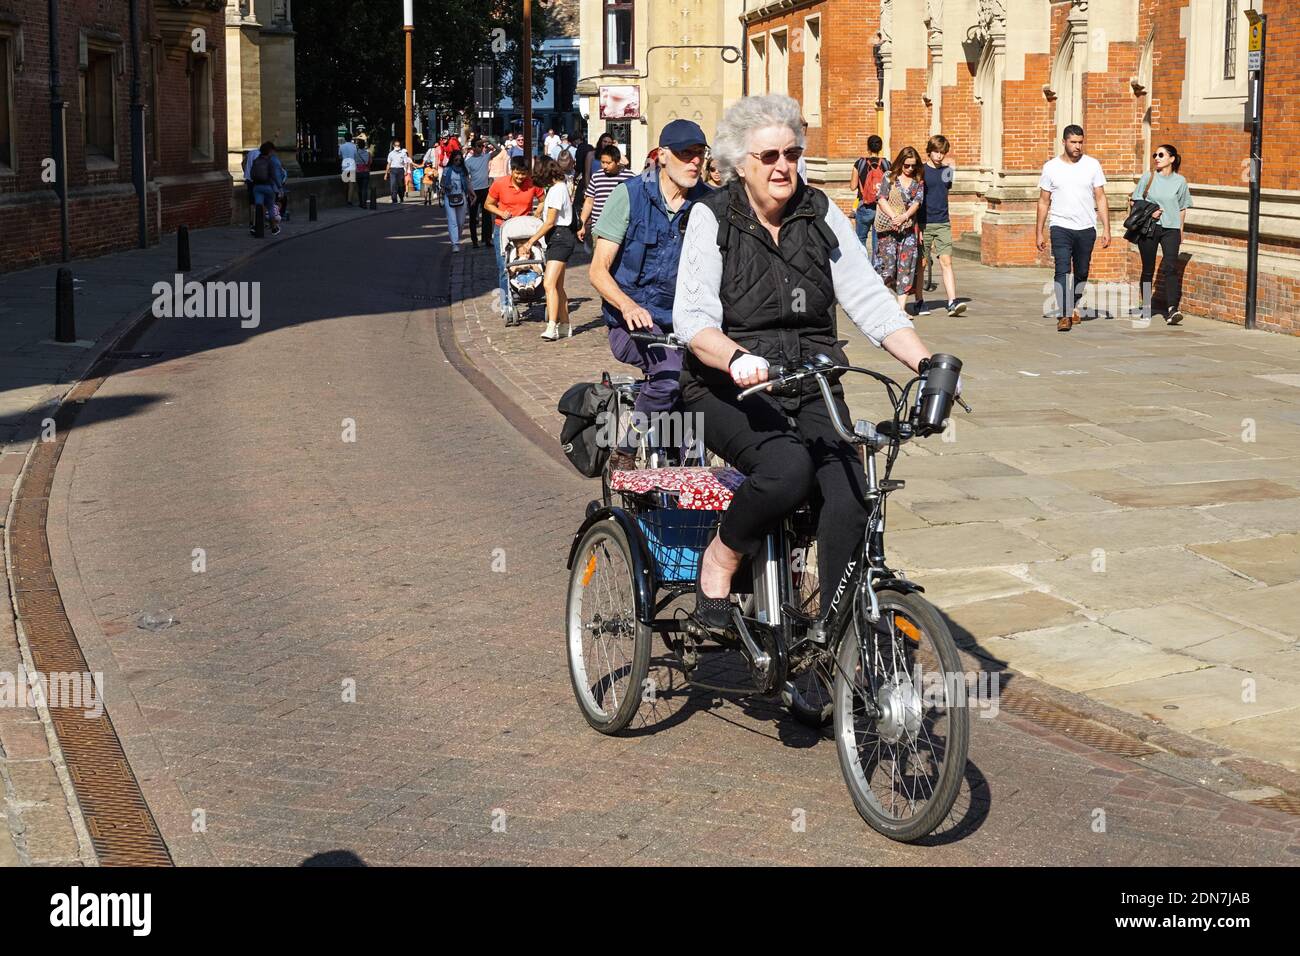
(1256, 37)
(1255, 60)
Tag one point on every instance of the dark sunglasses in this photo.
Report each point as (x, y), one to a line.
(1160, 155)
(768, 157)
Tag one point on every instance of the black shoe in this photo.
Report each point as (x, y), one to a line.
(1174, 317)
(714, 613)
(956, 308)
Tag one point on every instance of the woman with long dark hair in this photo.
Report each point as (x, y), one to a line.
(898, 200)
(455, 196)
(1165, 187)
(556, 215)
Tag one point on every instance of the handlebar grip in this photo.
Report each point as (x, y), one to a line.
(652, 338)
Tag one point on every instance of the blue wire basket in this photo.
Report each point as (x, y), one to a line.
(676, 539)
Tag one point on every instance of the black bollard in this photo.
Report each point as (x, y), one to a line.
(183, 249)
(311, 207)
(65, 322)
(259, 222)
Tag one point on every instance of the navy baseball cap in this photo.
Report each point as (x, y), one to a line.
(680, 134)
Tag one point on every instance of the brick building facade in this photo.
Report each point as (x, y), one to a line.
(182, 85)
(1001, 78)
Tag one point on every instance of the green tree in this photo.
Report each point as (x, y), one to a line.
(351, 59)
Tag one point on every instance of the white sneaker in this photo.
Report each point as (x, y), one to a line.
(552, 332)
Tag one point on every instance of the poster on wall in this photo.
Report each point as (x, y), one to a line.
(620, 102)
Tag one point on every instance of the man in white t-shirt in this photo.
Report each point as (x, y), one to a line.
(551, 144)
(1072, 189)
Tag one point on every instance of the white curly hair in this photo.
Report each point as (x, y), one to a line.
(744, 117)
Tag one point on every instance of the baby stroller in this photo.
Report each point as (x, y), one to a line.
(523, 276)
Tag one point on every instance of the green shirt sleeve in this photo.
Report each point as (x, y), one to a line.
(612, 224)
(1184, 196)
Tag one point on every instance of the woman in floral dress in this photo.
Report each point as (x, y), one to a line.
(898, 200)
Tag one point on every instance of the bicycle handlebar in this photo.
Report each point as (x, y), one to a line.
(922, 421)
(669, 341)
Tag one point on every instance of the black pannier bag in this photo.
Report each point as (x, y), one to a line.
(586, 437)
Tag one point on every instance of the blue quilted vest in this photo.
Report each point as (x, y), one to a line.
(645, 266)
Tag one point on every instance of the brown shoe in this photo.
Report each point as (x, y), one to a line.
(1064, 324)
(622, 461)
(1074, 317)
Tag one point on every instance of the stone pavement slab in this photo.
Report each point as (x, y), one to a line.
(1273, 560)
(1085, 657)
(1194, 700)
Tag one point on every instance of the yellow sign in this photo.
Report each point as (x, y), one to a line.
(1256, 37)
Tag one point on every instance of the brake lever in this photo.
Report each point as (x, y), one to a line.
(959, 401)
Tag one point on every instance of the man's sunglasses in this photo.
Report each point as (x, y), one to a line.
(768, 157)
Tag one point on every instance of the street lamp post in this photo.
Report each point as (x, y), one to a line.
(527, 93)
(408, 28)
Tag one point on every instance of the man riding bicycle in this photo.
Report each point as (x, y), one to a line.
(634, 265)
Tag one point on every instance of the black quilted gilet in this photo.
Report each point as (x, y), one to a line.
(778, 301)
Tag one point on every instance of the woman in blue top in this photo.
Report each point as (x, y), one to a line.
(1165, 187)
(455, 196)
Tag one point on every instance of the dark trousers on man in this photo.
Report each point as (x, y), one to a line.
(663, 369)
(1167, 241)
(1072, 252)
(479, 218)
(396, 184)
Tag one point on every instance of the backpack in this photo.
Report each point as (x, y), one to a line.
(587, 409)
(868, 184)
(262, 171)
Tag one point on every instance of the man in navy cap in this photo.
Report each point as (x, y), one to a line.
(634, 264)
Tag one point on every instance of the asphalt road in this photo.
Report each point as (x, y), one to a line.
(366, 566)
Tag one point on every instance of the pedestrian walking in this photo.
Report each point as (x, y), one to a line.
(455, 196)
(936, 228)
(267, 176)
(583, 153)
(898, 201)
(634, 267)
(477, 163)
(1071, 198)
(396, 167)
(712, 175)
(348, 166)
(1168, 189)
(511, 196)
(868, 172)
(428, 184)
(499, 164)
(610, 172)
(557, 214)
(363, 171)
(249, 191)
(551, 145)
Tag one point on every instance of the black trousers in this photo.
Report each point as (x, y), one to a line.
(785, 458)
(1167, 241)
(479, 217)
(1072, 252)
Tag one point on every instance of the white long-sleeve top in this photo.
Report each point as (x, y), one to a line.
(868, 302)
